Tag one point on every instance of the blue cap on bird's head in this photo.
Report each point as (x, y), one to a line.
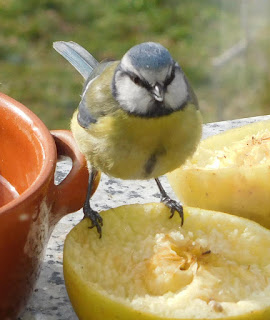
(150, 56)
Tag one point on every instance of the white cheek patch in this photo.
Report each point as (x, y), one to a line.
(177, 92)
(130, 96)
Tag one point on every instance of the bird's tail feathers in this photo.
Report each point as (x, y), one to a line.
(76, 55)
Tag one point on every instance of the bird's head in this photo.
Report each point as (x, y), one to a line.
(148, 82)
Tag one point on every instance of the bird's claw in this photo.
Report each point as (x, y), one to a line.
(173, 206)
(95, 218)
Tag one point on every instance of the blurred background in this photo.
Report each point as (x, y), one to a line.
(222, 45)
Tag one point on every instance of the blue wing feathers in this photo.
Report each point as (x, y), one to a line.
(76, 55)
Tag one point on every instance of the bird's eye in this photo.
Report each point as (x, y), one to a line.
(140, 82)
(137, 80)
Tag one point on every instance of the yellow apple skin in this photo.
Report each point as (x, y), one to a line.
(238, 190)
(91, 304)
(242, 192)
(95, 306)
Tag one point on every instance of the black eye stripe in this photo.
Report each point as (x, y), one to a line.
(137, 80)
(169, 79)
(140, 82)
(145, 84)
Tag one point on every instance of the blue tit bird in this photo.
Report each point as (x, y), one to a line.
(138, 118)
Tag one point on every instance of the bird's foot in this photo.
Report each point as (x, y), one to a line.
(95, 218)
(173, 206)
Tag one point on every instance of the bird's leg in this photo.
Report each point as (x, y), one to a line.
(170, 203)
(87, 210)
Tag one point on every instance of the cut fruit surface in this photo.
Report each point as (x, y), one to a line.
(145, 266)
(229, 172)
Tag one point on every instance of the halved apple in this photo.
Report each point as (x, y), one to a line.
(146, 266)
(229, 172)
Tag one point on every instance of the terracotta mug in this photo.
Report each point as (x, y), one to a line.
(30, 202)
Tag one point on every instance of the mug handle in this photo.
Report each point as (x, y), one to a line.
(70, 194)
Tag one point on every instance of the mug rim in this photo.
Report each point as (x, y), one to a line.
(47, 143)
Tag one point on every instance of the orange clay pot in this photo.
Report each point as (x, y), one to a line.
(28, 156)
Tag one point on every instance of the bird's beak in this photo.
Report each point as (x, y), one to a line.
(158, 92)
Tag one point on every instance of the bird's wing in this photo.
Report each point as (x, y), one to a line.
(86, 116)
(90, 69)
(80, 58)
(97, 71)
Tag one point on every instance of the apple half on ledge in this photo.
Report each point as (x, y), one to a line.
(147, 267)
(229, 172)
